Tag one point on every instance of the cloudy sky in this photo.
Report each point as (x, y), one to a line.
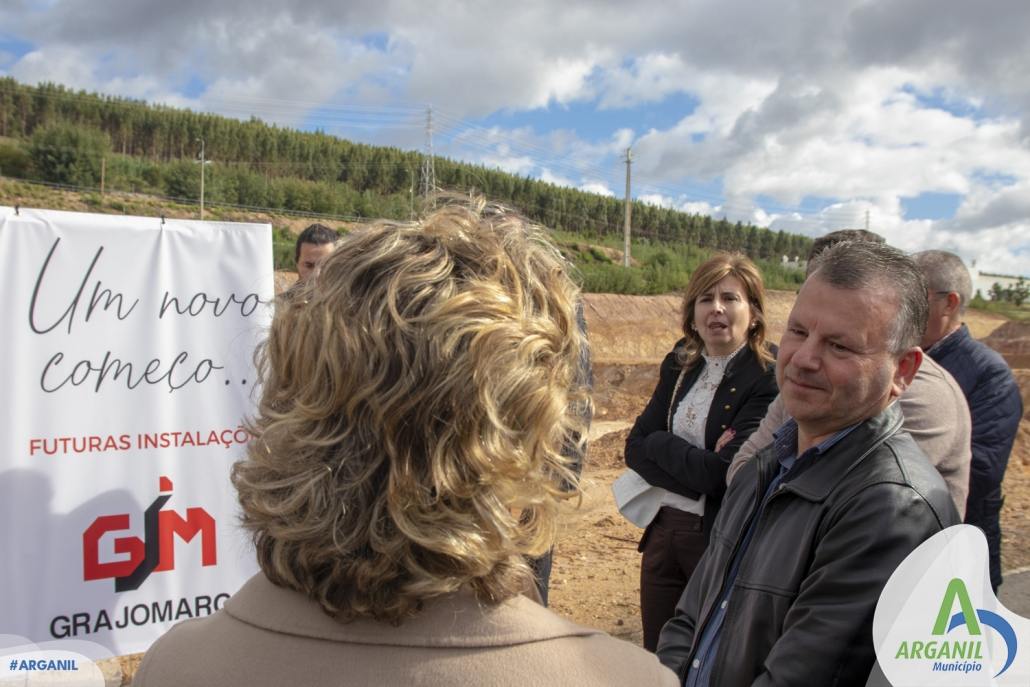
(805, 116)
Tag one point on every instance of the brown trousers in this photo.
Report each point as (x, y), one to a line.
(672, 546)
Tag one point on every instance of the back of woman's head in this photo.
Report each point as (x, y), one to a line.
(416, 396)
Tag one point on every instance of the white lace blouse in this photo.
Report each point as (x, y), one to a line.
(691, 416)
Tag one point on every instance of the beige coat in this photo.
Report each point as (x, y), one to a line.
(267, 635)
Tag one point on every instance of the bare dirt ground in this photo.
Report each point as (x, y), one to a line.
(595, 580)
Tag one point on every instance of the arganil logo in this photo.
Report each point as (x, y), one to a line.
(156, 551)
(939, 623)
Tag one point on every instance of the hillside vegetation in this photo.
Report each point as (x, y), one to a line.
(658, 267)
(88, 142)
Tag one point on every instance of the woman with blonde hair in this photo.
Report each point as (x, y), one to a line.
(408, 458)
(713, 390)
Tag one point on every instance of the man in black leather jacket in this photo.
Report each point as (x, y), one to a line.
(811, 530)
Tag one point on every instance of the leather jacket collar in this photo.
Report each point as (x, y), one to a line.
(816, 481)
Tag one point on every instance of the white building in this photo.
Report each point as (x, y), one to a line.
(983, 281)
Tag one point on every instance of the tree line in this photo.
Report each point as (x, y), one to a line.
(56, 134)
(1016, 293)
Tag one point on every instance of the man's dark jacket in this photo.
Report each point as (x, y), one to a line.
(671, 462)
(801, 609)
(996, 408)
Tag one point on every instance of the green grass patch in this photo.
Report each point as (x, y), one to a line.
(658, 267)
(1009, 310)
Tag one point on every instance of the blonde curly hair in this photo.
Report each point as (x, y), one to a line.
(416, 396)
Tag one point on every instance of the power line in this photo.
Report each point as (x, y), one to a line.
(629, 211)
(428, 166)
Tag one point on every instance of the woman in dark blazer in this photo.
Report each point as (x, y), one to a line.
(713, 390)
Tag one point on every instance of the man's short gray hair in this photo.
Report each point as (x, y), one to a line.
(862, 265)
(945, 272)
(840, 236)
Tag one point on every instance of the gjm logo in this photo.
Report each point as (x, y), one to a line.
(156, 551)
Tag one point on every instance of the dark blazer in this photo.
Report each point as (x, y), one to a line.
(996, 408)
(670, 462)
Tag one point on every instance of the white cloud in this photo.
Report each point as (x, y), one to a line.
(60, 65)
(688, 206)
(861, 102)
(556, 179)
(560, 157)
(656, 199)
(597, 187)
(699, 208)
(648, 79)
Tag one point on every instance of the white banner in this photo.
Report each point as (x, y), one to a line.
(127, 367)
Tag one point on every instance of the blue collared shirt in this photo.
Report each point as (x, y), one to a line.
(785, 448)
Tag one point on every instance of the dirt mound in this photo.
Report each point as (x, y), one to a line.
(1023, 379)
(1012, 340)
(1021, 450)
(982, 324)
(607, 452)
(632, 329)
(622, 389)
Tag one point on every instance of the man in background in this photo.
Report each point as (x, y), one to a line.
(313, 245)
(990, 389)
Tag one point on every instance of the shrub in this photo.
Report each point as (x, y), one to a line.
(69, 154)
(181, 179)
(14, 162)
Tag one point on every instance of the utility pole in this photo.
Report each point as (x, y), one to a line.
(103, 172)
(629, 210)
(867, 219)
(202, 165)
(411, 192)
(428, 170)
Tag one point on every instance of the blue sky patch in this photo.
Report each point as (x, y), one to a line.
(994, 180)
(13, 49)
(379, 40)
(809, 205)
(938, 99)
(931, 205)
(194, 88)
(686, 190)
(593, 124)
